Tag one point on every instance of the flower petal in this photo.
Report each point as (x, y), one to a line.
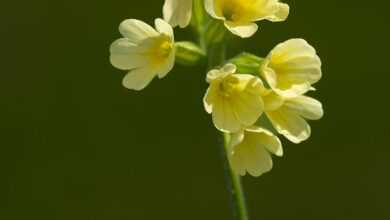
(229, 68)
(126, 55)
(138, 79)
(177, 12)
(210, 8)
(164, 28)
(224, 117)
(136, 30)
(292, 67)
(290, 124)
(249, 156)
(166, 67)
(281, 14)
(209, 98)
(306, 107)
(272, 101)
(242, 30)
(267, 139)
(236, 139)
(226, 70)
(248, 104)
(259, 161)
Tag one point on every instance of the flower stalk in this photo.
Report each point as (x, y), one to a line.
(235, 186)
(217, 57)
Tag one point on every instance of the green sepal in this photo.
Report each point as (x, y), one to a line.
(188, 53)
(247, 63)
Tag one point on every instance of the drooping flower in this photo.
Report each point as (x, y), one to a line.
(250, 150)
(291, 68)
(144, 51)
(288, 115)
(178, 12)
(239, 16)
(234, 100)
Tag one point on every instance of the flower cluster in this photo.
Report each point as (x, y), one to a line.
(246, 91)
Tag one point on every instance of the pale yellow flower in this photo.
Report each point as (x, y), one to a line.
(144, 51)
(239, 15)
(288, 115)
(291, 68)
(178, 12)
(234, 100)
(250, 151)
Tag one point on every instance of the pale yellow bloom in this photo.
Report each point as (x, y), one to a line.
(144, 51)
(291, 68)
(239, 15)
(250, 151)
(234, 100)
(288, 115)
(178, 12)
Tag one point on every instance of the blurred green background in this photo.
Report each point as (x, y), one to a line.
(77, 145)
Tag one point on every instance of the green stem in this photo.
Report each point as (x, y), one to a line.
(236, 189)
(216, 56)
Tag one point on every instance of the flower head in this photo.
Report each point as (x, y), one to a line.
(239, 15)
(288, 115)
(291, 68)
(178, 12)
(144, 51)
(250, 151)
(234, 100)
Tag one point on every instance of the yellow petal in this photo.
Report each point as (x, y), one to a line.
(240, 15)
(136, 30)
(292, 67)
(272, 101)
(177, 12)
(223, 116)
(290, 124)
(280, 14)
(248, 104)
(251, 151)
(219, 74)
(164, 28)
(166, 66)
(138, 79)
(125, 55)
(267, 139)
(306, 107)
(242, 30)
(209, 98)
(211, 10)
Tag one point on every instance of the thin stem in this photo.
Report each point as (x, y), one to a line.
(235, 187)
(216, 56)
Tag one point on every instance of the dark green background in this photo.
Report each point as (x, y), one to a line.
(77, 145)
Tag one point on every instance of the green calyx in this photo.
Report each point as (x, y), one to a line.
(247, 63)
(188, 53)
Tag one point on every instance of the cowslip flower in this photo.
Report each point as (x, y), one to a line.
(288, 115)
(249, 151)
(239, 16)
(234, 100)
(291, 68)
(178, 12)
(144, 51)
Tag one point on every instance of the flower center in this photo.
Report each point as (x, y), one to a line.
(228, 86)
(236, 10)
(165, 49)
(161, 50)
